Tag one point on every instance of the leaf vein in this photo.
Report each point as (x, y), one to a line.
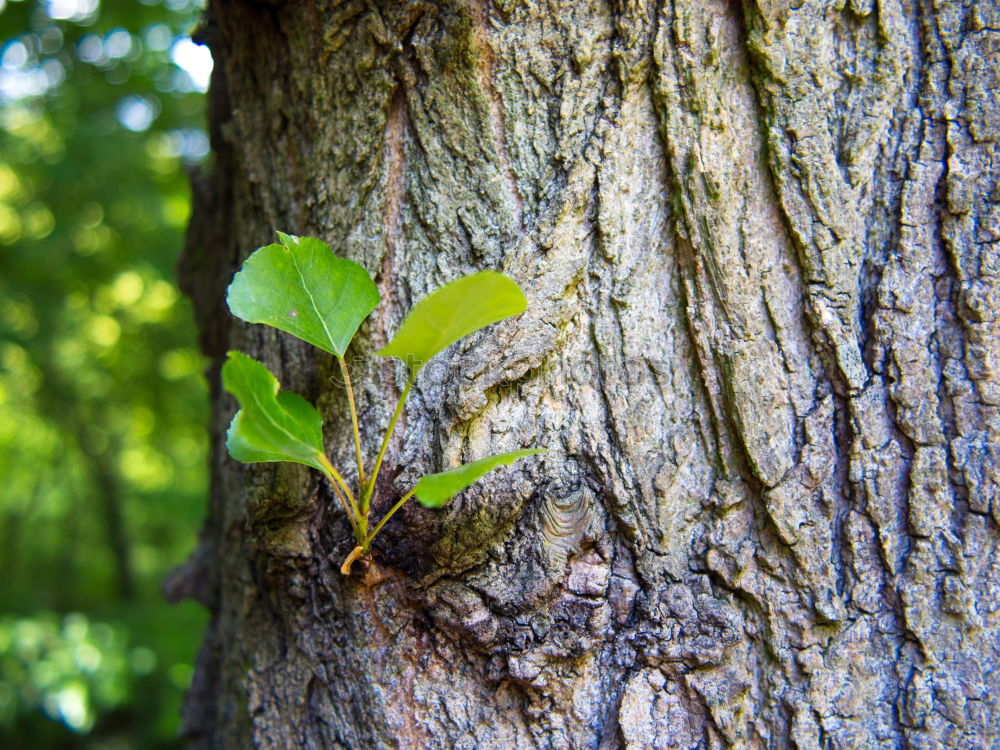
(312, 301)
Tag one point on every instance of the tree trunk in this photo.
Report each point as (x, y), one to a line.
(761, 248)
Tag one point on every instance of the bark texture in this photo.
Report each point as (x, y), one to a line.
(761, 246)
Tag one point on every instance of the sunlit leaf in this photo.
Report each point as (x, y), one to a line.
(271, 425)
(451, 312)
(301, 287)
(434, 490)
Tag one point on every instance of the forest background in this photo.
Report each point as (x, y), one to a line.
(102, 398)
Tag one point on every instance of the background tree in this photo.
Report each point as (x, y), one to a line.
(760, 250)
(102, 402)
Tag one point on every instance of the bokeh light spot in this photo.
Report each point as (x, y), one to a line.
(104, 330)
(10, 225)
(136, 113)
(193, 59)
(127, 288)
(80, 11)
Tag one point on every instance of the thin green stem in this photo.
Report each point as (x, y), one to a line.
(370, 487)
(343, 490)
(368, 540)
(354, 423)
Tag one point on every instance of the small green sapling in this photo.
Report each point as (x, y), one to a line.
(299, 286)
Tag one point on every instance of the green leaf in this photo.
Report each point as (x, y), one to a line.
(451, 312)
(301, 287)
(271, 425)
(434, 490)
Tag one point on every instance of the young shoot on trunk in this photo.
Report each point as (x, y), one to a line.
(299, 286)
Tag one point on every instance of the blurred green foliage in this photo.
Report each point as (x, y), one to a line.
(102, 402)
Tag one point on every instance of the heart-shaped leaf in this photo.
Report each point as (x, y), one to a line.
(271, 425)
(301, 287)
(434, 490)
(451, 312)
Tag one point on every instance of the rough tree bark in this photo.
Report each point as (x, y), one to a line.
(761, 247)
